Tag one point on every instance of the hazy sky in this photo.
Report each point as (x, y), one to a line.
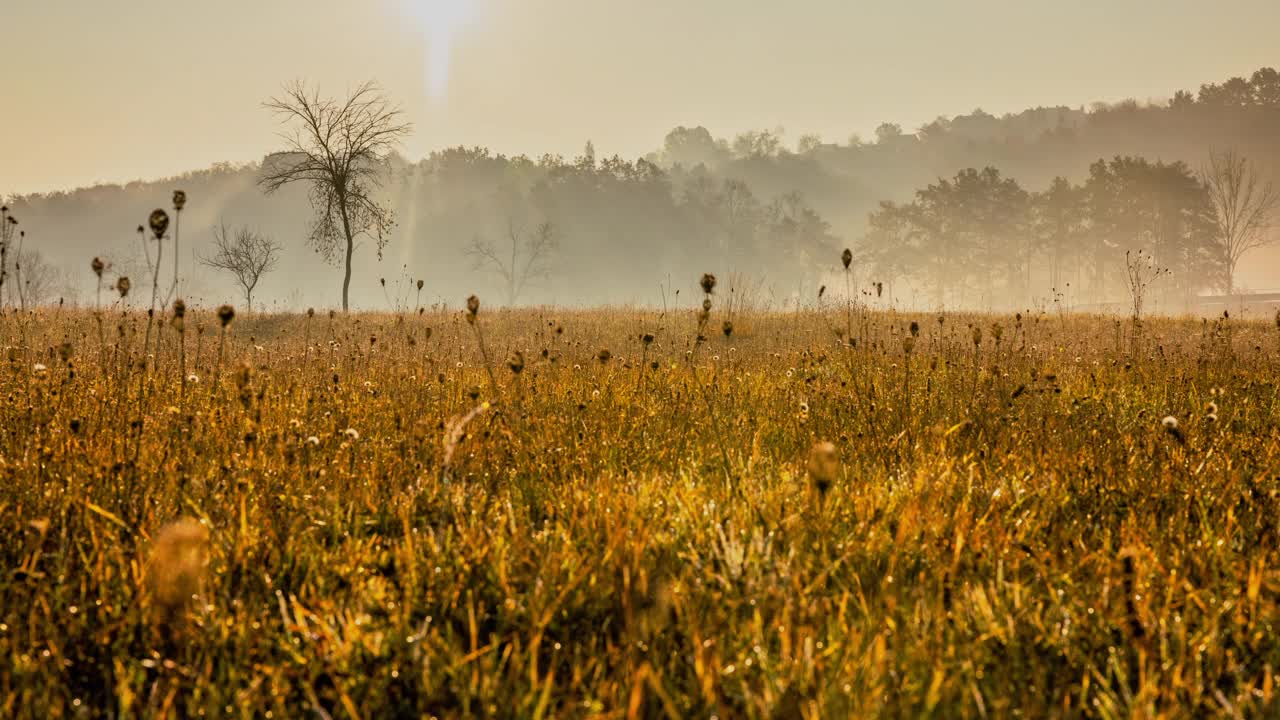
(114, 91)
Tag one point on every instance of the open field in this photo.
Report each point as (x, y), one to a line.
(385, 520)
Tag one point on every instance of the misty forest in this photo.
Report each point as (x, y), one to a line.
(974, 419)
(1028, 210)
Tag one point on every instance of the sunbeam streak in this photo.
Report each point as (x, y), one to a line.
(439, 21)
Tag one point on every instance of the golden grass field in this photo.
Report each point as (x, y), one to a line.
(362, 516)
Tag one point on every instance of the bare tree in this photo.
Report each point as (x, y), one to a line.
(1244, 204)
(340, 149)
(36, 280)
(525, 259)
(248, 255)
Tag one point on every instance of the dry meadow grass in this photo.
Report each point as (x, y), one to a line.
(372, 516)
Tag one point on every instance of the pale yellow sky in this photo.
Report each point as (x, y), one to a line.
(112, 91)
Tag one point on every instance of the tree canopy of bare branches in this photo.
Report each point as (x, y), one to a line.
(527, 257)
(1244, 204)
(339, 148)
(247, 255)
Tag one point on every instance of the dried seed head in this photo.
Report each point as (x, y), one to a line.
(708, 283)
(647, 339)
(604, 356)
(179, 200)
(822, 290)
(908, 344)
(823, 466)
(123, 285)
(159, 222)
(879, 289)
(977, 336)
(419, 284)
(728, 328)
(915, 329)
(706, 305)
(98, 266)
(226, 314)
(179, 308)
(846, 258)
(1170, 424)
(515, 361)
(179, 556)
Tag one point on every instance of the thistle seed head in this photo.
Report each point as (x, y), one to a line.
(159, 222)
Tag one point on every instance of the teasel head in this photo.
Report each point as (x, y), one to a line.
(123, 285)
(473, 308)
(98, 266)
(647, 339)
(226, 314)
(159, 222)
(846, 258)
(708, 283)
(420, 283)
(179, 200)
(915, 329)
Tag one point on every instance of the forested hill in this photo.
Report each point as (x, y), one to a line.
(776, 210)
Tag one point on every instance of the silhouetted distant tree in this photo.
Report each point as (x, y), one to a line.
(247, 255)
(524, 258)
(1243, 204)
(340, 149)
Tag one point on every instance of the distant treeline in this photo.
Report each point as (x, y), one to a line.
(626, 230)
(981, 239)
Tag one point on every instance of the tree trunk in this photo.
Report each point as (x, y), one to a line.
(346, 231)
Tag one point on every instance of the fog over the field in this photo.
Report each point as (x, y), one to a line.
(655, 140)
